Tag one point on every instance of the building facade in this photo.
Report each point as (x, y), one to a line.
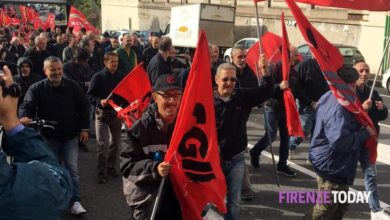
(363, 29)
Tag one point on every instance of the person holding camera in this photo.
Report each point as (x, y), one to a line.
(49, 187)
(63, 101)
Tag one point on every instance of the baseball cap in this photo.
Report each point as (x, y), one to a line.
(166, 82)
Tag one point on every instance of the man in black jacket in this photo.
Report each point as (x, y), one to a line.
(150, 51)
(25, 78)
(38, 54)
(232, 109)
(61, 100)
(107, 123)
(161, 62)
(143, 151)
(377, 112)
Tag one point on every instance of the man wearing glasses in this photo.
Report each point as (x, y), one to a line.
(232, 108)
(142, 164)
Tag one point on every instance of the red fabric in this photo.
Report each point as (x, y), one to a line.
(252, 57)
(272, 45)
(50, 22)
(292, 116)
(77, 20)
(136, 89)
(193, 151)
(328, 57)
(373, 5)
(23, 13)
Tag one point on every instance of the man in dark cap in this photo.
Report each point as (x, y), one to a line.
(142, 153)
(336, 142)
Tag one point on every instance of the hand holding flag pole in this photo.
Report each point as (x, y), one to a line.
(258, 78)
(380, 67)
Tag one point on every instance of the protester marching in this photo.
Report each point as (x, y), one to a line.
(184, 137)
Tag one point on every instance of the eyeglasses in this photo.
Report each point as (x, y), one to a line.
(231, 79)
(241, 56)
(167, 96)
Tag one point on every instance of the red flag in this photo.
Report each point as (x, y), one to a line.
(77, 20)
(196, 172)
(294, 126)
(252, 56)
(23, 13)
(136, 89)
(329, 57)
(373, 5)
(50, 22)
(272, 46)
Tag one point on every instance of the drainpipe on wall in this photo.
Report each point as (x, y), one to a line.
(386, 60)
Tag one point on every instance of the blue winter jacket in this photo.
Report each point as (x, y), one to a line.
(336, 141)
(34, 186)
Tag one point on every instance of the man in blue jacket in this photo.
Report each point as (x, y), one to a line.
(35, 186)
(337, 140)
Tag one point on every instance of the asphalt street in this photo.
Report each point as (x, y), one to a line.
(106, 201)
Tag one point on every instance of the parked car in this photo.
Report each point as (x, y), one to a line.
(386, 80)
(245, 42)
(350, 53)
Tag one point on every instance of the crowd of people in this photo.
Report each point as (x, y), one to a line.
(68, 79)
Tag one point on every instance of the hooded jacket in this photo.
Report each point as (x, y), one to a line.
(25, 81)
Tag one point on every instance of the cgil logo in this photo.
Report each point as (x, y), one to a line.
(323, 197)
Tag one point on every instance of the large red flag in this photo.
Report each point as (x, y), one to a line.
(329, 59)
(136, 89)
(77, 20)
(294, 126)
(196, 172)
(372, 5)
(50, 22)
(23, 13)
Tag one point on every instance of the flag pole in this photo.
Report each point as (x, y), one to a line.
(265, 115)
(259, 37)
(158, 197)
(380, 67)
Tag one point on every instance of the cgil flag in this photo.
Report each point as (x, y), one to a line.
(372, 5)
(135, 88)
(77, 20)
(294, 126)
(330, 60)
(196, 172)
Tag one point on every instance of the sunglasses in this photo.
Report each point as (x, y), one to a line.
(231, 79)
(167, 96)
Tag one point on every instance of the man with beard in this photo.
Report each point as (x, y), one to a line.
(127, 57)
(61, 100)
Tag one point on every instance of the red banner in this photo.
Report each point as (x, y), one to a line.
(23, 13)
(294, 126)
(196, 170)
(329, 59)
(136, 89)
(77, 20)
(373, 5)
(50, 22)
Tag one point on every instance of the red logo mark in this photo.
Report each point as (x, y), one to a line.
(170, 79)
